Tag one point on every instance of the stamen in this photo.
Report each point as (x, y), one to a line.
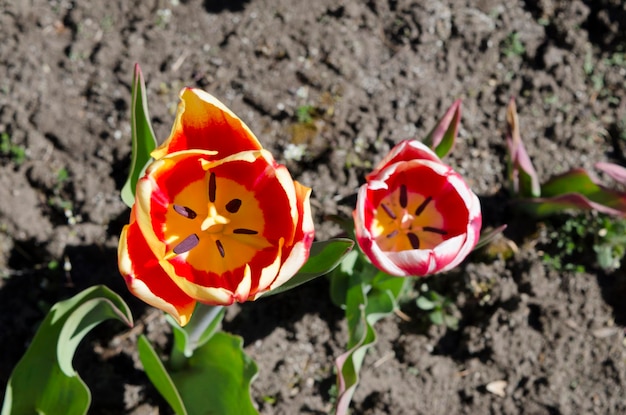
(421, 207)
(388, 211)
(403, 196)
(187, 244)
(245, 231)
(414, 240)
(212, 187)
(220, 248)
(434, 230)
(392, 234)
(233, 206)
(185, 211)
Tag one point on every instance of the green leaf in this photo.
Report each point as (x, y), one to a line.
(340, 278)
(44, 380)
(441, 139)
(424, 303)
(143, 139)
(158, 375)
(214, 380)
(436, 317)
(204, 322)
(575, 189)
(218, 378)
(324, 257)
(367, 301)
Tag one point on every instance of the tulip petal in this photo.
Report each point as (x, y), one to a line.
(296, 255)
(406, 150)
(204, 123)
(146, 279)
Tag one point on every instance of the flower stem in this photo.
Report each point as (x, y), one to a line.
(204, 322)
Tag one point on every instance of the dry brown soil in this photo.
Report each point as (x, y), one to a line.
(369, 73)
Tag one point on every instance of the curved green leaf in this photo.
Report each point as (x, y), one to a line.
(575, 189)
(143, 139)
(158, 375)
(366, 303)
(44, 380)
(214, 380)
(324, 257)
(217, 378)
(441, 139)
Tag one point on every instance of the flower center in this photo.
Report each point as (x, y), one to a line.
(218, 231)
(407, 220)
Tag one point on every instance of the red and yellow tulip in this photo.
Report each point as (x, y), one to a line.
(416, 216)
(216, 219)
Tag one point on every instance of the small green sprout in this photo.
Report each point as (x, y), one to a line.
(16, 153)
(306, 114)
(439, 307)
(571, 239)
(513, 45)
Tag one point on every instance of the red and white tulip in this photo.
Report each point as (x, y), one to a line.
(415, 215)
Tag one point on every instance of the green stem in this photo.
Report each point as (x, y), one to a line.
(203, 319)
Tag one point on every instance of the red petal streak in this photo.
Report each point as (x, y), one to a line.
(204, 123)
(147, 280)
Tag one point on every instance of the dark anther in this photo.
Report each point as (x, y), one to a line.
(185, 211)
(187, 244)
(434, 230)
(233, 206)
(421, 207)
(414, 240)
(392, 234)
(220, 248)
(245, 231)
(388, 211)
(403, 196)
(212, 186)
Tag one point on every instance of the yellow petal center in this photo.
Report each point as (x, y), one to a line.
(406, 220)
(216, 224)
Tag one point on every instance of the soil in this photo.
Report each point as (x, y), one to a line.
(368, 73)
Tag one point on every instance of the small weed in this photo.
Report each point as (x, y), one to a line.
(62, 176)
(513, 45)
(16, 153)
(596, 70)
(570, 242)
(440, 308)
(270, 400)
(59, 201)
(306, 114)
(610, 242)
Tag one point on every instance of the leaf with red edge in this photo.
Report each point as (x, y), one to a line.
(576, 190)
(615, 171)
(441, 138)
(522, 174)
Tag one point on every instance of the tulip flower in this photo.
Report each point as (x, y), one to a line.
(415, 216)
(216, 220)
